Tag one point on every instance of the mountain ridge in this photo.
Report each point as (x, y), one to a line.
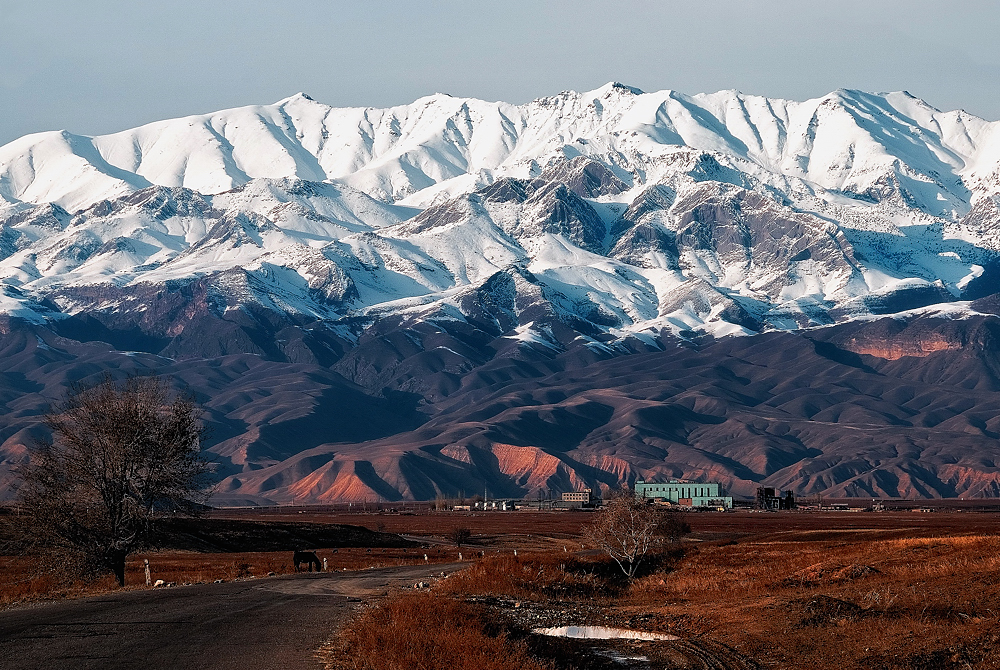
(298, 137)
(419, 255)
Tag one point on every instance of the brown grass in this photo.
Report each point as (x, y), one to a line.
(860, 603)
(489, 528)
(872, 596)
(824, 591)
(536, 575)
(423, 631)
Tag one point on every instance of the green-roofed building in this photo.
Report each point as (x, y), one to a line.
(684, 493)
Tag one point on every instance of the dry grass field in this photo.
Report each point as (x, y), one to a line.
(427, 631)
(873, 591)
(853, 600)
(831, 591)
(492, 529)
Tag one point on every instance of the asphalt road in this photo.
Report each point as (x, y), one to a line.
(274, 623)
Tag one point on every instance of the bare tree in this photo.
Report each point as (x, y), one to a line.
(629, 529)
(460, 535)
(120, 455)
(672, 525)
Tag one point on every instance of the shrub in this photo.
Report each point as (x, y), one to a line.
(427, 631)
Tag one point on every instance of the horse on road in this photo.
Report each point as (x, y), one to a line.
(308, 557)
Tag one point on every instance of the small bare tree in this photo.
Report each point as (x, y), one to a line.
(120, 454)
(628, 529)
(460, 535)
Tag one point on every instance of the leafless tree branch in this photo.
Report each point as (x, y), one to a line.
(628, 530)
(120, 455)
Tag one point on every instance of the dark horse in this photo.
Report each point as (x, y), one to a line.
(308, 557)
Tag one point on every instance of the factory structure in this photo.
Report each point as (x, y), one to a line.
(577, 498)
(769, 499)
(684, 493)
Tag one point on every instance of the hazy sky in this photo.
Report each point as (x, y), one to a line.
(102, 65)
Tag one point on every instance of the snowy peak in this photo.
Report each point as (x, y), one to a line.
(634, 214)
(848, 141)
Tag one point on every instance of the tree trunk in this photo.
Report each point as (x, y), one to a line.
(117, 561)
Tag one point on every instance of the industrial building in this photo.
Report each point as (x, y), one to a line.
(685, 493)
(575, 500)
(577, 496)
(768, 498)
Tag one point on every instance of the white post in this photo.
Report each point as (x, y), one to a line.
(324, 564)
(459, 555)
(149, 580)
(515, 552)
(426, 559)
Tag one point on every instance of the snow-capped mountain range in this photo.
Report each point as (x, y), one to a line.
(648, 212)
(612, 221)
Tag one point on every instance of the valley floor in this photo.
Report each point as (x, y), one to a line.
(874, 591)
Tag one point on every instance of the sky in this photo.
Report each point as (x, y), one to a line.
(104, 65)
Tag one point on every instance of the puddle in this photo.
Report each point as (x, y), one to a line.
(602, 633)
(620, 658)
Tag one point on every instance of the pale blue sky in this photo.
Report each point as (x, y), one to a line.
(105, 65)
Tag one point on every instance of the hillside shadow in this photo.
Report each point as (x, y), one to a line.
(842, 357)
(344, 414)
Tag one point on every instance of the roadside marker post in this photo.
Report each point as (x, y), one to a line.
(149, 580)
(324, 564)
